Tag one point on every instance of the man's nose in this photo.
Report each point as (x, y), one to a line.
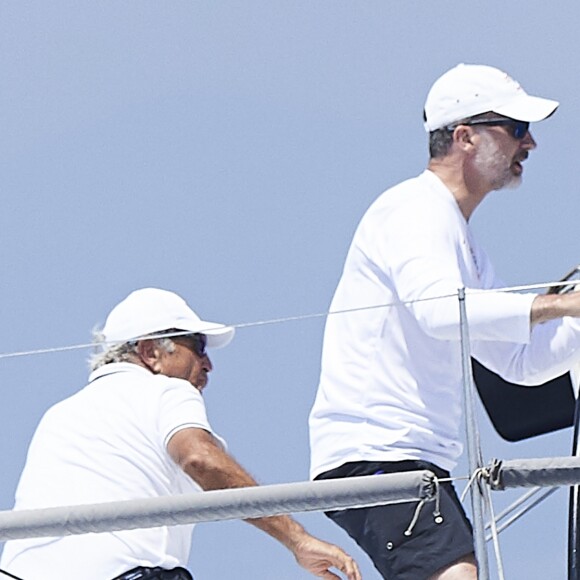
(528, 141)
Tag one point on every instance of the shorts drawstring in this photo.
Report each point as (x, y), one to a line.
(437, 517)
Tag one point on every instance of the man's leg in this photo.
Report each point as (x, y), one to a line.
(464, 569)
(433, 548)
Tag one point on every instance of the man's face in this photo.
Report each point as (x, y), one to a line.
(188, 361)
(499, 156)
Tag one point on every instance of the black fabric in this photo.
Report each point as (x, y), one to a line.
(518, 412)
(380, 530)
(143, 573)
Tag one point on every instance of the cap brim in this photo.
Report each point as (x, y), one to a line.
(218, 335)
(528, 108)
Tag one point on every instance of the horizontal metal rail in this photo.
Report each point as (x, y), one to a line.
(209, 506)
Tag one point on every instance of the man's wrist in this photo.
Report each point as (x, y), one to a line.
(551, 306)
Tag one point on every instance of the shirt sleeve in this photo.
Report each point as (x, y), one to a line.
(553, 350)
(181, 406)
(425, 251)
(419, 242)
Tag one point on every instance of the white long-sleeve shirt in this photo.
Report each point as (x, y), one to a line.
(390, 384)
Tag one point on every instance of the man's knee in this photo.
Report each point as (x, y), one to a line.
(462, 569)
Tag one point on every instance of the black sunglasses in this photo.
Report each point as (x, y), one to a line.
(197, 342)
(518, 129)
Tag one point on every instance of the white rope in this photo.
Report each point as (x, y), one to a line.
(494, 531)
(472, 479)
(285, 319)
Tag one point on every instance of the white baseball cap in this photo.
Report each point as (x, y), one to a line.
(151, 310)
(471, 89)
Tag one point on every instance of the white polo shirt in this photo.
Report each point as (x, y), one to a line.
(390, 383)
(107, 443)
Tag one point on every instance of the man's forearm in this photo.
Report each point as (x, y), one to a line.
(198, 453)
(551, 306)
(203, 459)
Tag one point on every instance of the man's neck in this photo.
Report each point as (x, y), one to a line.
(466, 192)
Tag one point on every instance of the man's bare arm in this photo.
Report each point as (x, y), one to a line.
(199, 454)
(551, 306)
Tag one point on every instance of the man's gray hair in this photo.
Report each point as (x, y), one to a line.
(440, 142)
(121, 352)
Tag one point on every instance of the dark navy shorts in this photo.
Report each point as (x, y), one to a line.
(379, 530)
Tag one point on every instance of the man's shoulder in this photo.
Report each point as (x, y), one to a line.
(130, 378)
(419, 192)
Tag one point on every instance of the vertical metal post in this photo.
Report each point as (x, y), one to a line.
(473, 448)
(574, 509)
(574, 500)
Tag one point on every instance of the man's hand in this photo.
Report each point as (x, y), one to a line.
(318, 556)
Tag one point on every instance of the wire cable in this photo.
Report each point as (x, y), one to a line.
(285, 319)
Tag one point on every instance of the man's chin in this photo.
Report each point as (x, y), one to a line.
(200, 388)
(513, 182)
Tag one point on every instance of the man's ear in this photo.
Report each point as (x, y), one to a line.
(149, 353)
(462, 135)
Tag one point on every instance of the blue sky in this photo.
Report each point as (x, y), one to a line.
(226, 151)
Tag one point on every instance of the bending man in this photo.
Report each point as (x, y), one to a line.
(139, 429)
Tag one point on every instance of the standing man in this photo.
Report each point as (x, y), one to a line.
(390, 395)
(139, 429)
